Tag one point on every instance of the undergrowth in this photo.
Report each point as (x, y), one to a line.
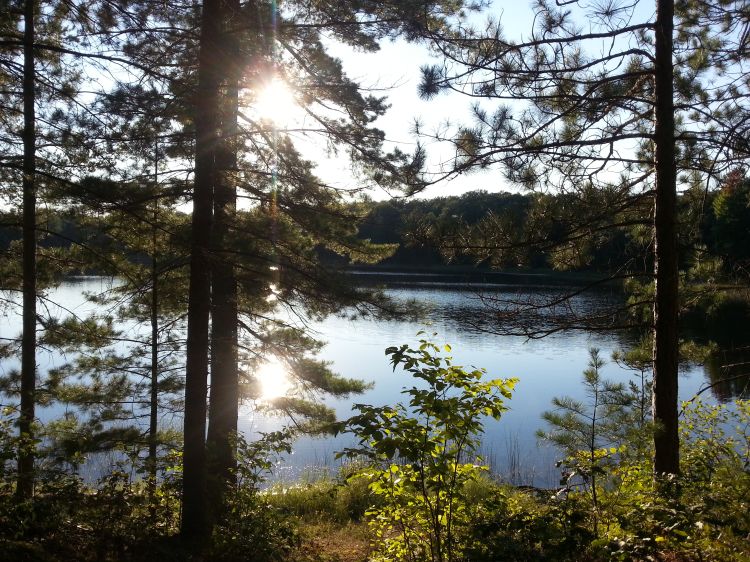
(400, 500)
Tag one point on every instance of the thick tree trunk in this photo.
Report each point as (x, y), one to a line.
(25, 488)
(666, 304)
(222, 424)
(194, 526)
(224, 376)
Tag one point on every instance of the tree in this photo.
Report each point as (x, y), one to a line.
(731, 212)
(63, 46)
(194, 523)
(590, 434)
(25, 486)
(225, 384)
(19, 60)
(601, 110)
(290, 207)
(149, 290)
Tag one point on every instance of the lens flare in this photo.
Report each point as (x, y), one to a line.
(275, 102)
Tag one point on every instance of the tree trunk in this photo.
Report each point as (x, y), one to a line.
(25, 488)
(194, 526)
(222, 425)
(666, 304)
(154, 398)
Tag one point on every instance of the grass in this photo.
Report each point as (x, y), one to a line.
(330, 513)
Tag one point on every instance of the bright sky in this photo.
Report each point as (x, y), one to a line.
(396, 67)
(395, 70)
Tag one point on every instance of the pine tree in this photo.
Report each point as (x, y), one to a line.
(25, 486)
(293, 197)
(44, 90)
(602, 101)
(225, 384)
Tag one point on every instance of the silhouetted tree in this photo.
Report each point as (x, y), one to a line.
(601, 96)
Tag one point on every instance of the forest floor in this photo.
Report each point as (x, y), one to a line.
(329, 542)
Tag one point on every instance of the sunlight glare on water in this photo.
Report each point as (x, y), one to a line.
(274, 379)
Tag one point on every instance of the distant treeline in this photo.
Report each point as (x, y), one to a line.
(508, 231)
(415, 226)
(62, 231)
(512, 231)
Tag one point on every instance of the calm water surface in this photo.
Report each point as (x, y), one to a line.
(546, 368)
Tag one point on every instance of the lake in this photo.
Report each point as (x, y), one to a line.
(546, 367)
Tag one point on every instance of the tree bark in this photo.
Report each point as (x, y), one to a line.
(223, 411)
(154, 398)
(25, 485)
(666, 304)
(194, 525)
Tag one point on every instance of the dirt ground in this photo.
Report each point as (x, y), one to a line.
(327, 543)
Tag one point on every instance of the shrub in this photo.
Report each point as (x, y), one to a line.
(251, 527)
(701, 514)
(518, 525)
(419, 454)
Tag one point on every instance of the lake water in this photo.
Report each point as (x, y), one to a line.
(546, 367)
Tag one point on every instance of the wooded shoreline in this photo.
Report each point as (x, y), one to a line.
(464, 276)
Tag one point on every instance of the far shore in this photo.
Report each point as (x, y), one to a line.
(461, 275)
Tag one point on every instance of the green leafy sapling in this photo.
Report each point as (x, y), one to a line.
(421, 453)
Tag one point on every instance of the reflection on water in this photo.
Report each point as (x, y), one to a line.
(471, 321)
(726, 328)
(546, 368)
(520, 309)
(273, 378)
(728, 373)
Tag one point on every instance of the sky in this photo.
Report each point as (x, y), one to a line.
(396, 66)
(394, 69)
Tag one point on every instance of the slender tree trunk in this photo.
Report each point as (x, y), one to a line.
(154, 399)
(194, 526)
(25, 488)
(666, 305)
(154, 404)
(222, 423)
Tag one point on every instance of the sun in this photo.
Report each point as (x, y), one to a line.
(274, 379)
(275, 102)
